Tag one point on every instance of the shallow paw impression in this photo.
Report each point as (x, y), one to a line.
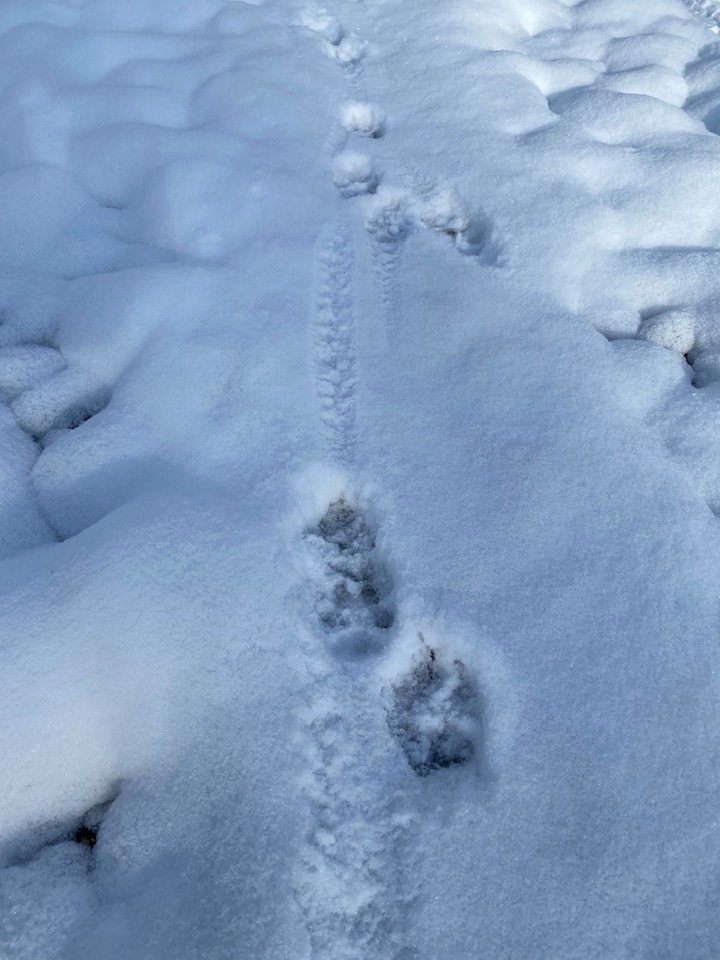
(354, 601)
(354, 174)
(445, 212)
(434, 713)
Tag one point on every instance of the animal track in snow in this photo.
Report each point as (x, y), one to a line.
(389, 217)
(389, 222)
(392, 216)
(354, 174)
(323, 24)
(354, 600)
(444, 211)
(435, 713)
(363, 118)
(346, 50)
(349, 882)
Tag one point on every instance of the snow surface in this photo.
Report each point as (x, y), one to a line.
(359, 415)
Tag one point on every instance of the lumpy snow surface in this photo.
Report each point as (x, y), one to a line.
(359, 480)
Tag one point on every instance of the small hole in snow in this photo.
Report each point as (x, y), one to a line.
(85, 836)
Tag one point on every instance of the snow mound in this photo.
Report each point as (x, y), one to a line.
(674, 330)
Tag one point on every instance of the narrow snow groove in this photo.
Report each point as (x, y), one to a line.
(388, 224)
(386, 262)
(348, 881)
(334, 346)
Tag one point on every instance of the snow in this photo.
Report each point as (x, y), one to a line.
(354, 174)
(674, 329)
(363, 118)
(359, 410)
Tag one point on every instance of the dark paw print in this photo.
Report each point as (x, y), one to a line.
(354, 604)
(434, 713)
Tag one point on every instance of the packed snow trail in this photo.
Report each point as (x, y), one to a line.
(335, 346)
(346, 882)
(359, 374)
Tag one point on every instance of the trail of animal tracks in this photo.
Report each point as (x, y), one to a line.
(359, 552)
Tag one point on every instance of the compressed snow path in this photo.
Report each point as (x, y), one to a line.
(359, 551)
